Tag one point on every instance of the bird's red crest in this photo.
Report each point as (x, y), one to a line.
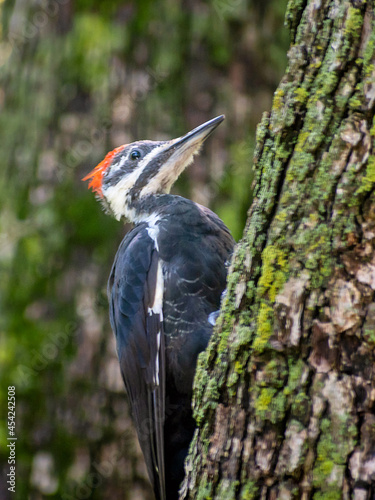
(96, 175)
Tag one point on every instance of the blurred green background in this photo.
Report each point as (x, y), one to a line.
(78, 78)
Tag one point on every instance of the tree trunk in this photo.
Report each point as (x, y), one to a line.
(285, 392)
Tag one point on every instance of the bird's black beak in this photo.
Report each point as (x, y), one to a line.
(195, 138)
(180, 152)
(173, 158)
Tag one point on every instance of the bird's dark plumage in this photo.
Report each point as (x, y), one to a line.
(194, 275)
(132, 286)
(165, 286)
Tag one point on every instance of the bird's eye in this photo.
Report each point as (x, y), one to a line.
(135, 154)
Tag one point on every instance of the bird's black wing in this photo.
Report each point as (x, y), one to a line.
(195, 277)
(135, 290)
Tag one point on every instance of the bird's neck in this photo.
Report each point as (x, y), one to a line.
(146, 208)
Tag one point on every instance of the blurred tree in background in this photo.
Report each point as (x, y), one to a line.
(79, 78)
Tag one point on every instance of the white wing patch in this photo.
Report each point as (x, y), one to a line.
(153, 229)
(156, 377)
(157, 308)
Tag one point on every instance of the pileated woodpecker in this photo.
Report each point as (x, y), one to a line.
(164, 290)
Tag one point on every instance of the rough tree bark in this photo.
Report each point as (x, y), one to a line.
(285, 393)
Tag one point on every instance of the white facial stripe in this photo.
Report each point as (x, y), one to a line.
(120, 161)
(152, 155)
(117, 195)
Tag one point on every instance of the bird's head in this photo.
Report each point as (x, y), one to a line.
(132, 172)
